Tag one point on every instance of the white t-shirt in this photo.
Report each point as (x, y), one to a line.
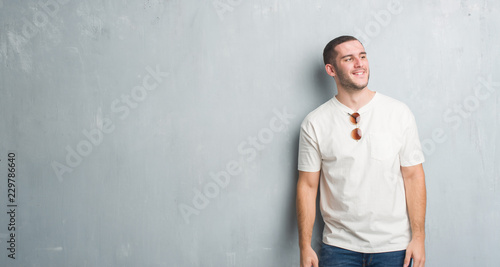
(362, 197)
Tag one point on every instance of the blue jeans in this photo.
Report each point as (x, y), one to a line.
(330, 256)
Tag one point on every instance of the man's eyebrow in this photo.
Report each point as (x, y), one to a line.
(350, 55)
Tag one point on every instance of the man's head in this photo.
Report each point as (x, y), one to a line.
(345, 60)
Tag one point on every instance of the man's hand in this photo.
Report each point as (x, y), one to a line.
(415, 251)
(308, 257)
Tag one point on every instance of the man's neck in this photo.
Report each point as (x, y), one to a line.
(355, 99)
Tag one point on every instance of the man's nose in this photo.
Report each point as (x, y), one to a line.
(358, 62)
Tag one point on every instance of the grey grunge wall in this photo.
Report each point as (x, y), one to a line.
(165, 133)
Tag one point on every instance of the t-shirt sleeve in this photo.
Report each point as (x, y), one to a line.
(309, 153)
(411, 150)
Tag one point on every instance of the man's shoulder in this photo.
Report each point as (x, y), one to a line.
(388, 102)
(320, 112)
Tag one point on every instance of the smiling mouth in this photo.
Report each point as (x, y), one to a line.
(359, 72)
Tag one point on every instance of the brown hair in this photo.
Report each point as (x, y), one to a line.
(329, 53)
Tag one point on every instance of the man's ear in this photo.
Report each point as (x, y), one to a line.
(330, 70)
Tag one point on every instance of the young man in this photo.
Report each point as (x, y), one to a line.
(362, 149)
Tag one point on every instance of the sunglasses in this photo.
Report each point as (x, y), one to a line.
(356, 133)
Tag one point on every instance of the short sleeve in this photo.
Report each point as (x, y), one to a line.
(411, 150)
(309, 153)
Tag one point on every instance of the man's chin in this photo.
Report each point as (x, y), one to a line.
(355, 87)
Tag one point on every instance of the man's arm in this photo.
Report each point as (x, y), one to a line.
(307, 189)
(414, 180)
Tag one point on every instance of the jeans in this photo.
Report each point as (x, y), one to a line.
(330, 256)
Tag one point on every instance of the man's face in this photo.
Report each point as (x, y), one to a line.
(351, 66)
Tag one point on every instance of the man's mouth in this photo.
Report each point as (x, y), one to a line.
(359, 72)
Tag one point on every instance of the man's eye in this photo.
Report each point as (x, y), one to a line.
(348, 59)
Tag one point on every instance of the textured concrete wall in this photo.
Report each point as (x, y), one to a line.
(164, 133)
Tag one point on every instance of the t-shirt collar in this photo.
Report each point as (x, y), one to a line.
(363, 109)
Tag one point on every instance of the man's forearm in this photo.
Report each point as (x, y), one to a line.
(307, 189)
(416, 200)
(414, 180)
(306, 213)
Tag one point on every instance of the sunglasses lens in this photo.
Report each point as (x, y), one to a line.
(355, 118)
(356, 134)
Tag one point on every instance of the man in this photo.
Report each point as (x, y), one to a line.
(362, 149)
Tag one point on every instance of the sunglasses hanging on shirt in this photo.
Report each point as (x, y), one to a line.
(355, 118)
